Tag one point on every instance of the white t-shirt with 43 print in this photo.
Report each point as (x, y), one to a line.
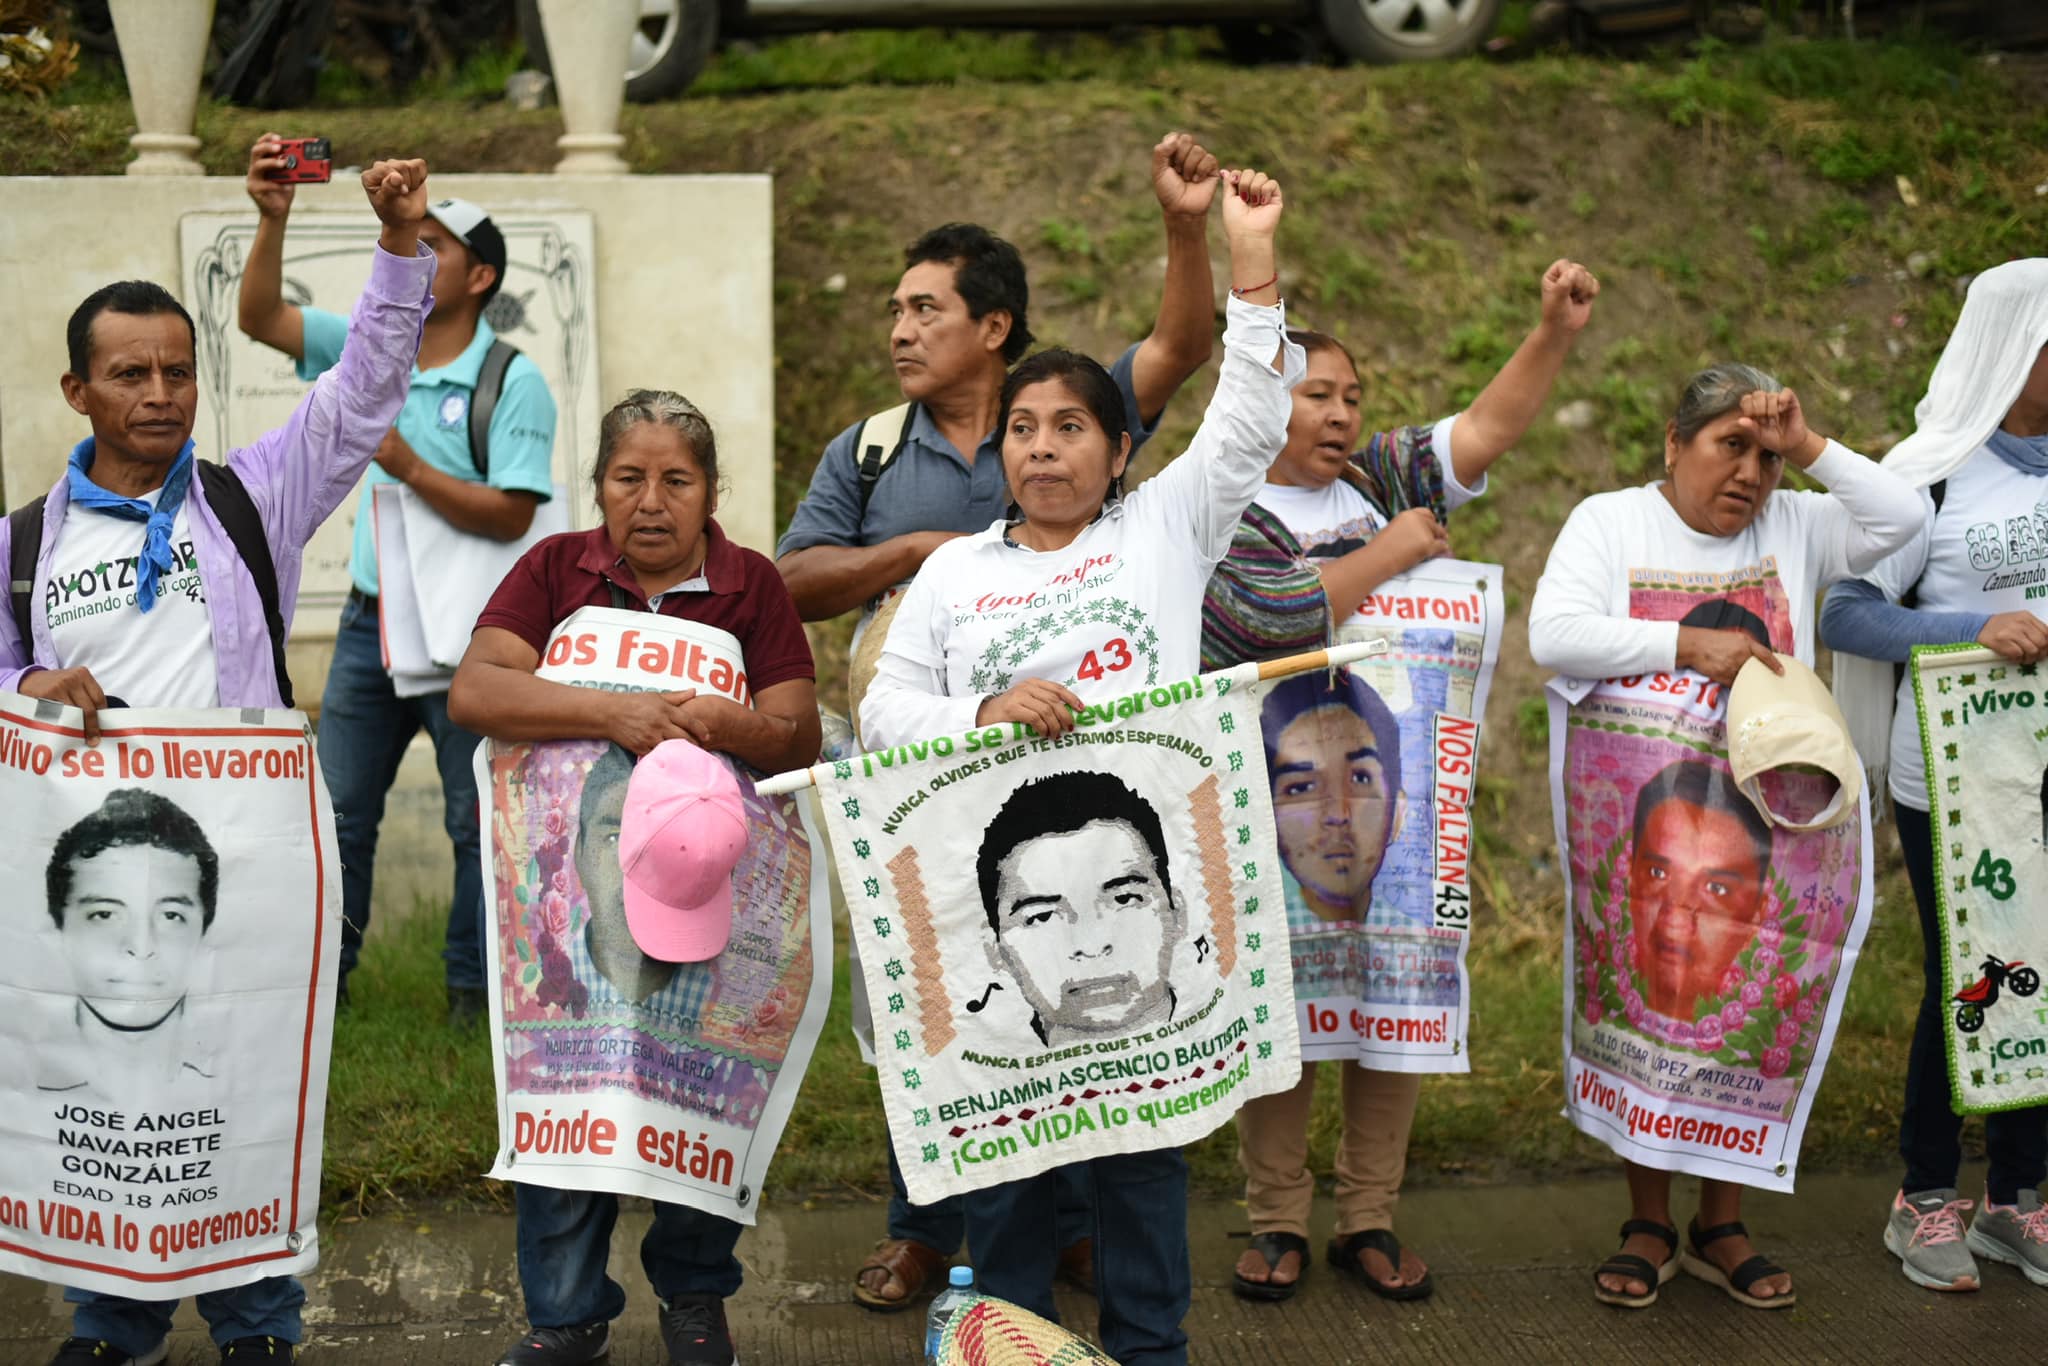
(160, 658)
(1117, 609)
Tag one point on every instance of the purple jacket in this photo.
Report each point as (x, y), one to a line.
(295, 475)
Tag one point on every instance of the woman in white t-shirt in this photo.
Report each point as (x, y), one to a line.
(1716, 516)
(1338, 517)
(1971, 574)
(975, 643)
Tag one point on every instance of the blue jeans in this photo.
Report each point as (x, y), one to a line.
(1142, 1279)
(941, 1226)
(364, 729)
(265, 1308)
(565, 1240)
(1930, 1131)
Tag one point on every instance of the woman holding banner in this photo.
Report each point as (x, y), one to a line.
(659, 550)
(1647, 583)
(1334, 522)
(1129, 572)
(1982, 448)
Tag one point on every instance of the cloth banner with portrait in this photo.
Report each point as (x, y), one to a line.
(1982, 727)
(167, 992)
(1707, 952)
(615, 1071)
(1373, 773)
(1073, 947)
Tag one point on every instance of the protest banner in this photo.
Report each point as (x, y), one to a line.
(1373, 774)
(1986, 742)
(1707, 952)
(616, 1072)
(166, 997)
(1074, 947)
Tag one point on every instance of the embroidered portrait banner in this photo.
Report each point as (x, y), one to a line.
(1072, 947)
(167, 963)
(1983, 728)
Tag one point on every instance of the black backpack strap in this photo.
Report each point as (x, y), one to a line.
(228, 499)
(25, 530)
(876, 447)
(483, 402)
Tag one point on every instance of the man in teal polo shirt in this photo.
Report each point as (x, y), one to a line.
(364, 725)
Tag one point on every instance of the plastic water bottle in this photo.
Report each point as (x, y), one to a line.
(959, 1290)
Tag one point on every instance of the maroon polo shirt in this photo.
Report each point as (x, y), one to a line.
(578, 568)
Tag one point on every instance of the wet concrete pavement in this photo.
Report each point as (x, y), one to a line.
(1511, 1263)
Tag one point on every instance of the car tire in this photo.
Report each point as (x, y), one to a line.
(664, 62)
(1388, 31)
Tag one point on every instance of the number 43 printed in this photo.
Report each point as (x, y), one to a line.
(1112, 656)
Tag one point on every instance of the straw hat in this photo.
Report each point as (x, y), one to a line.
(867, 655)
(991, 1332)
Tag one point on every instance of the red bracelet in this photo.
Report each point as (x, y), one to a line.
(1253, 289)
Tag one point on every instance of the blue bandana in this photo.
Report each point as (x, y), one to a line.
(2027, 454)
(157, 557)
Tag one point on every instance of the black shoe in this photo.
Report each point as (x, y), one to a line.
(243, 1351)
(693, 1329)
(340, 994)
(467, 1006)
(94, 1352)
(560, 1346)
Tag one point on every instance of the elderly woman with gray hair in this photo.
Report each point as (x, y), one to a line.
(659, 550)
(1717, 524)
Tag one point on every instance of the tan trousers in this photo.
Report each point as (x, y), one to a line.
(1372, 1151)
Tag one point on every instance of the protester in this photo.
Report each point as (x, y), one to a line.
(1716, 515)
(1145, 557)
(891, 489)
(1983, 442)
(1334, 522)
(659, 550)
(365, 725)
(220, 642)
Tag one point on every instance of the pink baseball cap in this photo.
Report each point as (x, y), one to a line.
(680, 836)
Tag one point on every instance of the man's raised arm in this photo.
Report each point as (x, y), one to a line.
(1184, 177)
(262, 312)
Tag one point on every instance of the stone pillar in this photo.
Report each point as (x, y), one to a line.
(589, 44)
(163, 53)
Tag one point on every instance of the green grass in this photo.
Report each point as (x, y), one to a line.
(1736, 202)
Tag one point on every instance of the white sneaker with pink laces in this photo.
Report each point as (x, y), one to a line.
(2015, 1234)
(1925, 1233)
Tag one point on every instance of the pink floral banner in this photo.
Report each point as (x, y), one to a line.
(1707, 952)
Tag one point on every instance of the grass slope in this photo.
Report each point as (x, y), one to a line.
(1809, 206)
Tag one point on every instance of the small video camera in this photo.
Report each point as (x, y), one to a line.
(306, 161)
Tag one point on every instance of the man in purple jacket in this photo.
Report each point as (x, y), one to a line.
(167, 614)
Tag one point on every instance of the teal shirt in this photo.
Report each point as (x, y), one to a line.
(435, 423)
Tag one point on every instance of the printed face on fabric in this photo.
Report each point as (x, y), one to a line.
(131, 928)
(612, 948)
(1696, 886)
(1336, 799)
(1081, 906)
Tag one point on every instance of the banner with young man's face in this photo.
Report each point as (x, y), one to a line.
(1073, 947)
(617, 1071)
(1987, 785)
(1707, 952)
(1373, 773)
(166, 998)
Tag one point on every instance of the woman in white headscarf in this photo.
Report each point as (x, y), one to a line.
(1981, 455)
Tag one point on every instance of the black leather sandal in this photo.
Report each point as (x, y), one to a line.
(1734, 1283)
(1343, 1254)
(1628, 1266)
(1273, 1246)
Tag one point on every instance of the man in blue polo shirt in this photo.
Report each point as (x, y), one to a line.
(364, 725)
(958, 322)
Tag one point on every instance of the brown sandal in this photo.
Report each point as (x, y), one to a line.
(910, 1264)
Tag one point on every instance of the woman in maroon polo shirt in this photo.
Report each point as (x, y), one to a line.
(658, 551)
